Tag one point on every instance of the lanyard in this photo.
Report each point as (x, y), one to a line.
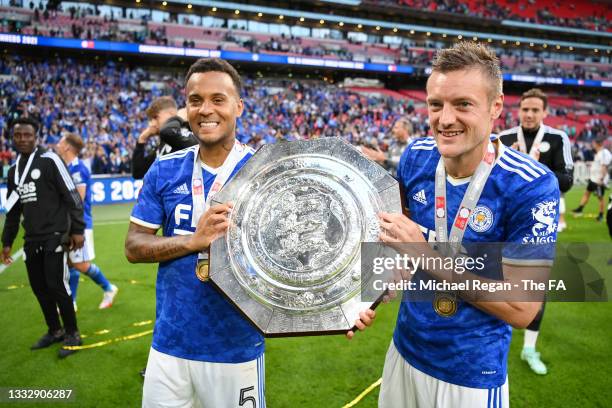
(19, 181)
(11, 200)
(200, 205)
(521, 140)
(469, 201)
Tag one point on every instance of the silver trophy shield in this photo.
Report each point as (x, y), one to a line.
(291, 258)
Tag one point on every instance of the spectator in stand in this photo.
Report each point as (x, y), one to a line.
(100, 163)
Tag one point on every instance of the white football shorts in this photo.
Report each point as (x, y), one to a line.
(86, 253)
(403, 386)
(179, 383)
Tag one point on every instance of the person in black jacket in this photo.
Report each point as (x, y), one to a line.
(550, 147)
(545, 144)
(40, 189)
(173, 130)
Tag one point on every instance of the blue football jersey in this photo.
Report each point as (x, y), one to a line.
(193, 320)
(519, 204)
(82, 177)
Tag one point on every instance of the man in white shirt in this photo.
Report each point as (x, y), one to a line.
(598, 180)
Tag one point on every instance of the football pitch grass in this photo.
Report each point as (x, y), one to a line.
(329, 371)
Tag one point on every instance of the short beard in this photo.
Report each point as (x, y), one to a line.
(226, 141)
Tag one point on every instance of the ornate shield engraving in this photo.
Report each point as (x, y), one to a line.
(290, 260)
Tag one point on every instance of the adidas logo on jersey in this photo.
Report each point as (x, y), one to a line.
(420, 197)
(182, 189)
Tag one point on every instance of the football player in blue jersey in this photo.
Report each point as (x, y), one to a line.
(68, 148)
(463, 186)
(204, 353)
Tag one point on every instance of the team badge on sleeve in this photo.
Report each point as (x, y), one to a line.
(481, 219)
(543, 230)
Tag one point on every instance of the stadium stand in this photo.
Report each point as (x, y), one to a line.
(576, 14)
(84, 24)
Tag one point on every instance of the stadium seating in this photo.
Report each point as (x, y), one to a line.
(592, 15)
(96, 27)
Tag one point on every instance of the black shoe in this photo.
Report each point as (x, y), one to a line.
(70, 340)
(599, 218)
(48, 339)
(143, 372)
(577, 211)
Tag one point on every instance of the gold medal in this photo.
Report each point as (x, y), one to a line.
(445, 304)
(202, 270)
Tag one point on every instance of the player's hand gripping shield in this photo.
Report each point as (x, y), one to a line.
(291, 258)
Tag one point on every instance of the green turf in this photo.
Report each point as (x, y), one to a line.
(304, 372)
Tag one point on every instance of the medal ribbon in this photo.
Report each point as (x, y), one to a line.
(521, 140)
(18, 181)
(201, 204)
(468, 203)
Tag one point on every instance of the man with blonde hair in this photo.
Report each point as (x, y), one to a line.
(450, 348)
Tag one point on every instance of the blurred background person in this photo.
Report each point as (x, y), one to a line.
(80, 260)
(598, 180)
(402, 133)
(173, 130)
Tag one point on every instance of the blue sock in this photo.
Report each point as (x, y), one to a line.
(74, 282)
(97, 276)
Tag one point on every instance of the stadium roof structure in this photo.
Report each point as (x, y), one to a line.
(392, 19)
(362, 16)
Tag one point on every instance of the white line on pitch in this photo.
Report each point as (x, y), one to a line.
(116, 222)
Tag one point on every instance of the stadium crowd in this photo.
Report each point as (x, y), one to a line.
(105, 103)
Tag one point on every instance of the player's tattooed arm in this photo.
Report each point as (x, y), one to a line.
(142, 245)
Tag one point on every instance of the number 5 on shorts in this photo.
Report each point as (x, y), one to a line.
(244, 399)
